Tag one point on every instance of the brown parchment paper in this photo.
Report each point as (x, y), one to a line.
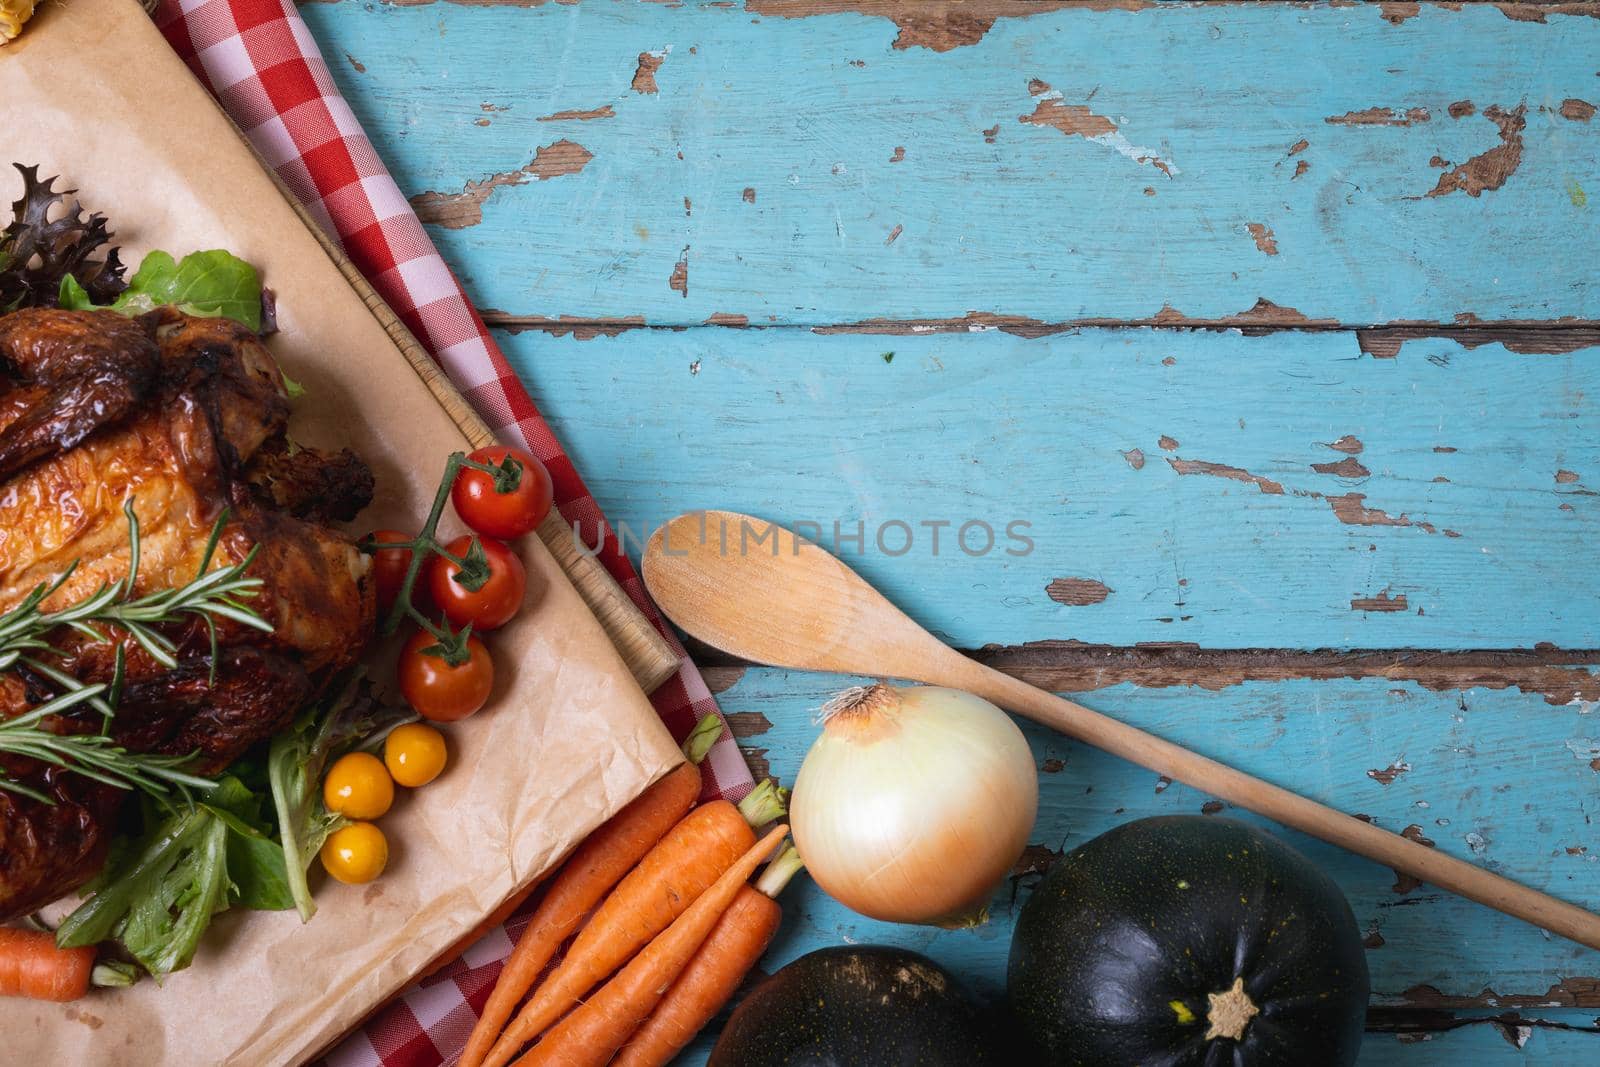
(92, 92)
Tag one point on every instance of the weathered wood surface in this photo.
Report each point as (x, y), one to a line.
(1236, 492)
(1181, 162)
(982, 252)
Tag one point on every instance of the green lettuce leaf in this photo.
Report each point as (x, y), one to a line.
(190, 864)
(201, 283)
(72, 295)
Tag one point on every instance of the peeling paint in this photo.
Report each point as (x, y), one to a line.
(1572, 992)
(1035, 861)
(1262, 235)
(1539, 12)
(1350, 510)
(1263, 316)
(1577, 110)
(1349, 444)
(1135, 458)
(1380, 116)
(1524, 338)
(455, 211)
(1300, 168)
(644, 75)
(1405, 883)
(1395, 12)
(894, 234)
(749, 195)
(1566, 477)
(1077, 592)
(1461, 109)
(355, 63)
(1388, 774)
(1490, 169)
(747, 724)
(899, 154)
(1220, 470)
(1349, 467)
(606, 112)
(722, 679)
(937, 25)
(678, 281)
(723, 318)
(756, 760)
(1076, 120)
(1382, 602)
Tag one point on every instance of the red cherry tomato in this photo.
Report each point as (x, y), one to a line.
(389, 567)
(491, 605)
(503, 515)
(439, 691)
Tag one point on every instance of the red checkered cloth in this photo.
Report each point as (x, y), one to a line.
(261, 63)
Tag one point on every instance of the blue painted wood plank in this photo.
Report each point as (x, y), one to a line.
(1176, 475)
(1494, 777)
(1073, 164)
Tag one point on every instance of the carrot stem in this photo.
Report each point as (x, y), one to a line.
(779, 872)
(706, 733)
(766, 803)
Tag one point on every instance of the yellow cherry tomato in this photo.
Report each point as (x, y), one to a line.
(414, 753)
(355, 854)
(358, 787)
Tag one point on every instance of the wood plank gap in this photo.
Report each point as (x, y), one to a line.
(1557, 674)
(1382, 340)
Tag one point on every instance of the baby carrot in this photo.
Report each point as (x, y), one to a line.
(684, 863)
(593, 1032)
(32, 966)
(730, 950)
(599, 863)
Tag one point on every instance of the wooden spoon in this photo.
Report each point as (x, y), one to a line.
(757, 591)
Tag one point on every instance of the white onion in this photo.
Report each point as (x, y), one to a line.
(915, 803)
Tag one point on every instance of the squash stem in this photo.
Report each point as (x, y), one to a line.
(1231, 1012)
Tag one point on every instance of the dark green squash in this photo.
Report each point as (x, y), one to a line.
(1187, 940)
(856, 1006)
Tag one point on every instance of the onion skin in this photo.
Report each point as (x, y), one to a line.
(914, 804)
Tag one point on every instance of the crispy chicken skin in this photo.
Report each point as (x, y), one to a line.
(185, 417)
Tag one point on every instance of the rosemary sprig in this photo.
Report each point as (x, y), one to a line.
(473, 567)
(24, 639)
(91, 755)
(210, 596)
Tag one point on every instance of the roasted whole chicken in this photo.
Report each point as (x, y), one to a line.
(186, 417)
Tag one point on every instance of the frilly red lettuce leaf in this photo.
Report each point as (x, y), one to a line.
(38, 252)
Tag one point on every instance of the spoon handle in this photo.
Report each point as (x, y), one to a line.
(1280, 805)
